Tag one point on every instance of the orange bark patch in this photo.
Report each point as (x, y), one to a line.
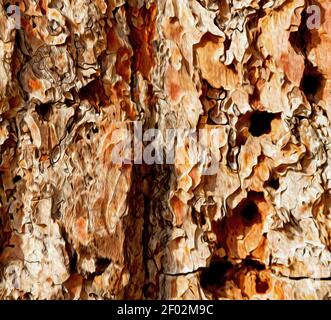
(34, 84)
(173, 30)
(81, 229)
(208, 53)
(178, 84)
(174, 90)
(293, 66)
(113, 41)
(279, 291)
(179, 208)
(123, 63)
(141, 36)
(261, 251)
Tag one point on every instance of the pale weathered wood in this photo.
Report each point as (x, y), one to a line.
(76, 225)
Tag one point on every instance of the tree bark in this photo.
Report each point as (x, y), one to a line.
(77, 76)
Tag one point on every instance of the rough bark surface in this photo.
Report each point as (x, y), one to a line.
(74, 225)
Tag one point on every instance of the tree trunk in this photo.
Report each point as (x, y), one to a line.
(245, 215)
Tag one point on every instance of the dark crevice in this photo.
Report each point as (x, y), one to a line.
(71, 252)
(44, 111)
(147, 290)
(140, 60)
(101, 265)
(300, 38)
(248, 209)
(253, 264)
(260, 122)
(298, 278)
(198, 218)
(273, 183)
(73, 261)
(137, 200)
(17, 178)
(214, 275)
(95, 93)
(27, 296)
(250, 212)
(312, 82)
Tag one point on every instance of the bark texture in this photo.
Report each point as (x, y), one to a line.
(74, 225)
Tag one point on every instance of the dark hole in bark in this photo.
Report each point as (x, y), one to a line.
(261, 286)
(311, 82)
(250, 212)
(73, 262)
(27, 296)
(260, 123)
(214, 275)
(44, 110)
(101, 265)
(273, 183)
(17, 178)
